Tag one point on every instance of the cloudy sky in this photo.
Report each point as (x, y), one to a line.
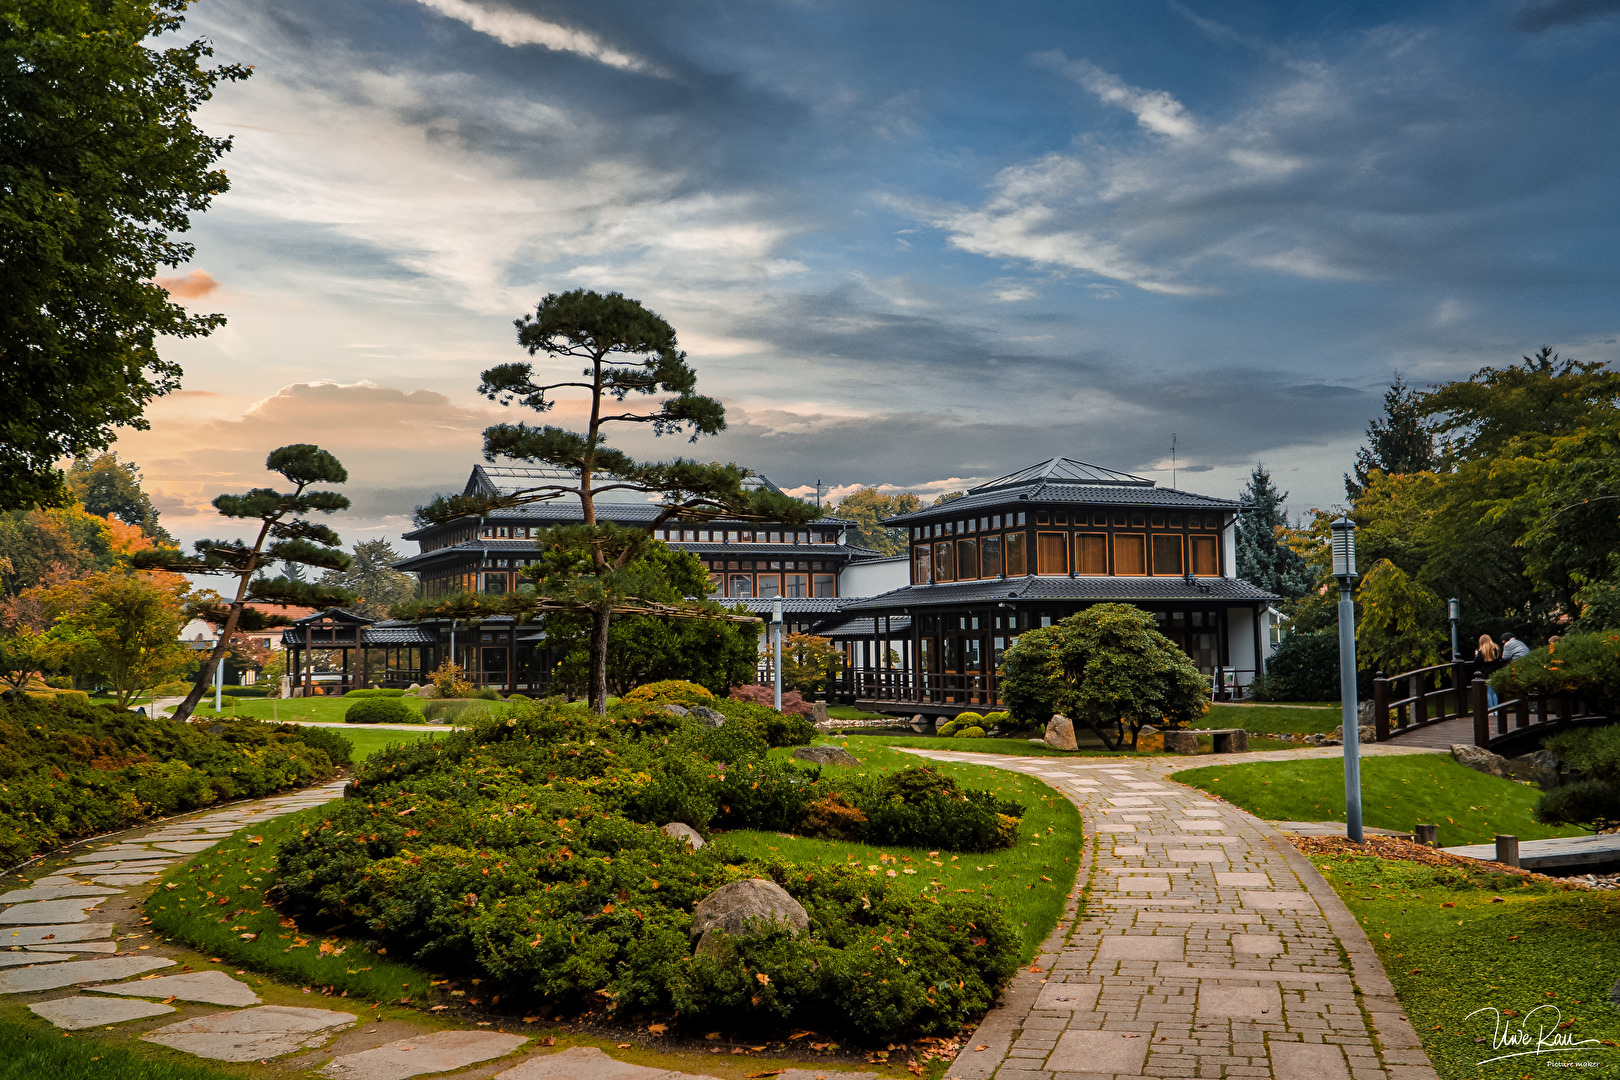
(907, 244)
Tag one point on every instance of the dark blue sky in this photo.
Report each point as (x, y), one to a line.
(908, 244)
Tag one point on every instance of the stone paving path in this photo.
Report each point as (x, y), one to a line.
(1209, 948)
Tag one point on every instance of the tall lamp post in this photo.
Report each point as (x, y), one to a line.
(776, 646)
(1344, 568)
(1454, 609)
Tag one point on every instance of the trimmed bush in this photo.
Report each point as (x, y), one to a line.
(949, 728)
(375, 692)
(381, 710)
(528, 851)
(969, 733)
(969, 719)
(1304, 667)
(672, 692)
(991, 719)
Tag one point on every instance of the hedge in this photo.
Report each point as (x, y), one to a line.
(381, 710)
(69, 770)
(527, 850)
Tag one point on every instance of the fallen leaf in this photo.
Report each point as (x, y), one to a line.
(980, 1048)
(255, 840)
(763, 979)
(622, 1046)
(657, 1029)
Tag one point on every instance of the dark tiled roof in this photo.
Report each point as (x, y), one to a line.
(1064, 470)
(1027, 589)
(862, 629)
(744, 551)
(791, 605)
(375, 635)
(1043, 491)
(336, 614)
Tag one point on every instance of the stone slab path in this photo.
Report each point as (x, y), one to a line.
(1209, 948)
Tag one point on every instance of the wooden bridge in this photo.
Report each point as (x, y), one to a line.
(1439, 715)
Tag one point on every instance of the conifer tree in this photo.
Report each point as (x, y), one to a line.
(1398, 443)
(1262, 559)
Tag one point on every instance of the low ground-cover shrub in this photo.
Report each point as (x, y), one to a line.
(462, 710)
(1581, 665)
(528, 849)
(71, 770)
(1593, 797)
(671, 691)
(381, 710)
(375, 692)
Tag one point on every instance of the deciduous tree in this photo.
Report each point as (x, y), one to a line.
(121, 627)
(867, 507)
(101, 164)
(107, 487)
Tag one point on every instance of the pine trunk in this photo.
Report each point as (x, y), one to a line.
(599, 649)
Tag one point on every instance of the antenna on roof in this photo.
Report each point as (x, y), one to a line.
(1174, 441)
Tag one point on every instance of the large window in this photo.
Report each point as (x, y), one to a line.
(1130, 554)
(770, 585)
(945, 561)
(990, 556)
(795, 584)
(1205, 554)
(1090, 553)
(1017, 562)
(1051, 553)
(742, 586)
(825, 584)
(924, 572)
(967, 559)
(719, 583)
(1167, 555)
(495, 583)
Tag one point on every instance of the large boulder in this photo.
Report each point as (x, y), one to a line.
(1368, 732)
(825, 755)
(428, 691)
(682, 831)
(1477, 758)
(1060, 733)
(742, 909)
(711, 717)
(678, 710)
(1181, 742)
(818, 712)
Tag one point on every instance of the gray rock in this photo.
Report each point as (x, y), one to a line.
(1477, 758)
(208, 987)
(744, 908)
(589, 1063)
(825, 755)
(678, 710)
(428, 691)
(49, 911)
(440, 1051)
(711, 717)
(682, 831)
(76, 1013)
(825, 729)
(1060, 733)
(1368, 733)
(265, 1032)
(1181, 742)
(1542, 768)
(818, 712)
(46, 935)
(52, 976)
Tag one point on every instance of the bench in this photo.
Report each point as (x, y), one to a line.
(1226, 740)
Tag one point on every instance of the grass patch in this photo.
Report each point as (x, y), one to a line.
(321, 710)
(1396, 793)
(1271, 720)
(237, 872)
(1020, 747)
(1031, 879)
(850, 712)
(1539, 947)
(26, 1053)
(367, 741)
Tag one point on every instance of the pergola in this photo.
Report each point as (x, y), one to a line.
(338, 630)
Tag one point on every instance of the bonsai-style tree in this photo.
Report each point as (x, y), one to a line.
(284, 536)
(1106, 667)
(625, 350)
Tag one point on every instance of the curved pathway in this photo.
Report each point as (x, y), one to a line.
(1209, 947)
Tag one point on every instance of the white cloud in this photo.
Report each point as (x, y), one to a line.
(515, 28)
(1155, 110)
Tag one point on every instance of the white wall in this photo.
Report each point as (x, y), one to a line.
(1229, 541)
(875, 576)
(1240, 642)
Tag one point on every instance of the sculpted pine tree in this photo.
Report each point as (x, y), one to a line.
(1398, 443)
(624, 349)
(284, 536)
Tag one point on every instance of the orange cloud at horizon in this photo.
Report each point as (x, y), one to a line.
(195, 284)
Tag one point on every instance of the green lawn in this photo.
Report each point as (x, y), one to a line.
(1270, 719)
(1031, 879)
(1538, 947)
(1396, 793)
(322, 710)
(850, 712)
(367, 741)
(29, 1051)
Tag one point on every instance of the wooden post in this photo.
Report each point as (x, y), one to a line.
(1428, 835)
(1414, 684)
(1482, 717)
(1459, 683)
(1507, 850)
(1381, 706)
(1420, 707)
(1521, 715)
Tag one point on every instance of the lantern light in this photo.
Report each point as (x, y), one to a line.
(1344, 549)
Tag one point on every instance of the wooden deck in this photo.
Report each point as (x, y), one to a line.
(1439, 736)
(1559, 853)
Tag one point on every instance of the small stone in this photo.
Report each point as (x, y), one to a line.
(76, 1013)
(49, 911)
(1060, 733)
(711, 717)
(208, 987)
(825, 755)
(105, 969)
(265, 1032)
(440, 1051)
(682, 831)
(744, 908)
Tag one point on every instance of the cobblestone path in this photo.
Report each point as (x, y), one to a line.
(1209, 947)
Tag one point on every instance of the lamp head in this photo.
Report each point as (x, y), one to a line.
(776, 609)
(1454, 608)
(1344, 550)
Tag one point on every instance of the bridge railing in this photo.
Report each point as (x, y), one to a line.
(1442, 692)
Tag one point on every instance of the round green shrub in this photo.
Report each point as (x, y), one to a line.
(969, 719)
(991, 719)
(673, 692)
(380, 710)
(950, 728)
(969, 733)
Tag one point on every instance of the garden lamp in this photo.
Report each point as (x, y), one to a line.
(1454, 609)
(776, 644)
(1344, 568)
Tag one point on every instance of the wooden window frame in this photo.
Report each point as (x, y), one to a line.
(1078, 568)
(1019, 539)
(973, 543)
(1117, 562)
(1154, 540)
(1062, 544)
(1214, 543)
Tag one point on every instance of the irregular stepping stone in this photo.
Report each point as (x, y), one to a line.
(125, 879)
(439, 1052)
(19, 959)
(265, 1032)
(123, 866)
(49, 911)
(53, 892)
(46, 935)
(74, 1013)
(77, 946)
(187, 847)
(588, 1063)
(116, 853)
(51, 976)
(209, 987)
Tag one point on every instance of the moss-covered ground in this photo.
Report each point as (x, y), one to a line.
(1397, 792)
(1475, 954)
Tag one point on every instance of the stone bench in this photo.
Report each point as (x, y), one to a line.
(1226, 740)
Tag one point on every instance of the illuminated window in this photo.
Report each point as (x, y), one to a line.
(1051, 553)
(1167, 555)
(1091, 553)
(718, 583)
(924, 571)
(1130, 554)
